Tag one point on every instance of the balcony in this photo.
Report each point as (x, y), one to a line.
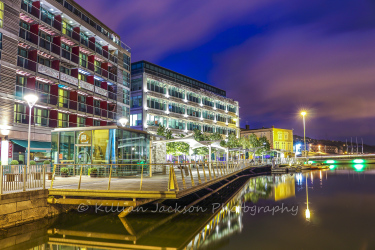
(30, 9)
(48, 71)
(101, 91)
(28, 36)
(44, 44)
(69, 79)
(26, 63)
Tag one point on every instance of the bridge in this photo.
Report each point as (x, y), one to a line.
(369, 158)
(127, 186)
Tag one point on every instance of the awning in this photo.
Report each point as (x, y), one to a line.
(35, 146)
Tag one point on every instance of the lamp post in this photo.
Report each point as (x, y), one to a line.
(123, 121)
(31, 99)
(303, 113)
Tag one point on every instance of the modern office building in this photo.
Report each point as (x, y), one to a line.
(78, 67)
(160, 96)
(281, 140)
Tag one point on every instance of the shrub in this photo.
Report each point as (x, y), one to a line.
(64, 170)
(14, 162)
(46, 162)
(93, 171)
(32, 162)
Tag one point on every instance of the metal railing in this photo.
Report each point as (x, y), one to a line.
(18, 178)
(141, 177)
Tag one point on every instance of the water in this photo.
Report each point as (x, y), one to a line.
(266, 212)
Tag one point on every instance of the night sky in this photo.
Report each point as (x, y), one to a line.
(275, 57)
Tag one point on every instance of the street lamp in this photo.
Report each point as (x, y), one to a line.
(303, 113)
(31, 99)
(123, 121)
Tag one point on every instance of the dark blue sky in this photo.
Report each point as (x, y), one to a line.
(275, 57)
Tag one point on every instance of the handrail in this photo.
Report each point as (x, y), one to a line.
(112, 175)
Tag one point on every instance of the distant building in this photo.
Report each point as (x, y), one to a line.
(281, 140)
(316, 148)
(160, 96)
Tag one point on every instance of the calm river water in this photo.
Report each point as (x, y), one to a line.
(265, 212)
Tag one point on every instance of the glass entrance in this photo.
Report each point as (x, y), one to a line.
(83, 154)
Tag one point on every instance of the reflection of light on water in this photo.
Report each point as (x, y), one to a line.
(330, 161)
(320, 174)
(359, 167)
(358, 161)
(299, 178)
(307, 213)
(332, 167)
(238, 209)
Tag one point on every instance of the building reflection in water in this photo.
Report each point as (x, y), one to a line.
(165, 230)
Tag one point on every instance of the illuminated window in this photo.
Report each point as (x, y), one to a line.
(1, 14)
(280, 136)
(286, 136)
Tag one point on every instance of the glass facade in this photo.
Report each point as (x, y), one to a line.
(112, 145)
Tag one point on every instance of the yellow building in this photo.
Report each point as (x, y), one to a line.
(281, 140)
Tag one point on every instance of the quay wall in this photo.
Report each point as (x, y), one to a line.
(23, 207)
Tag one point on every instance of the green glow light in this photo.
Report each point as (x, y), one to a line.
(332, 167)
(330, 161)
(359, 167)
(358, 161)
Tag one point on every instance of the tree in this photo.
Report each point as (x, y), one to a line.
(264, 145)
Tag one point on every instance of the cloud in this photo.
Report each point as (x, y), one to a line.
(278, 73)
(155, 28)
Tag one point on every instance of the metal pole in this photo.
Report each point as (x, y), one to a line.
(362, 145)
(1, 178)
(357, 144)
(44, 176)
(304, 135)
(28, 149)
(24, 177)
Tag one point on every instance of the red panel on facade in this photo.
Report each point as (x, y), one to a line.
(91, 62)
(56, 65)
(103, 123)
(105, 69)
(53, 118)
(33, 58)
(75, 55)
(90, 104)
(103, 105)
(57, 22)
(92, 43)
(89, 121)
(30, 83)
(72, 120)
(104, 85)
(56, 44)
(34, 32)
(74, 73)
(35, 9)
(76, 33)
(73, 100)
(54, 94)
(90, 79)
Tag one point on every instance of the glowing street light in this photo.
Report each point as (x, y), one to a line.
(31, 99)
(123, 121)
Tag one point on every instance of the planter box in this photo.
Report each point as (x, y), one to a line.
(49, 176)
(64, 175)
(94, 175)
